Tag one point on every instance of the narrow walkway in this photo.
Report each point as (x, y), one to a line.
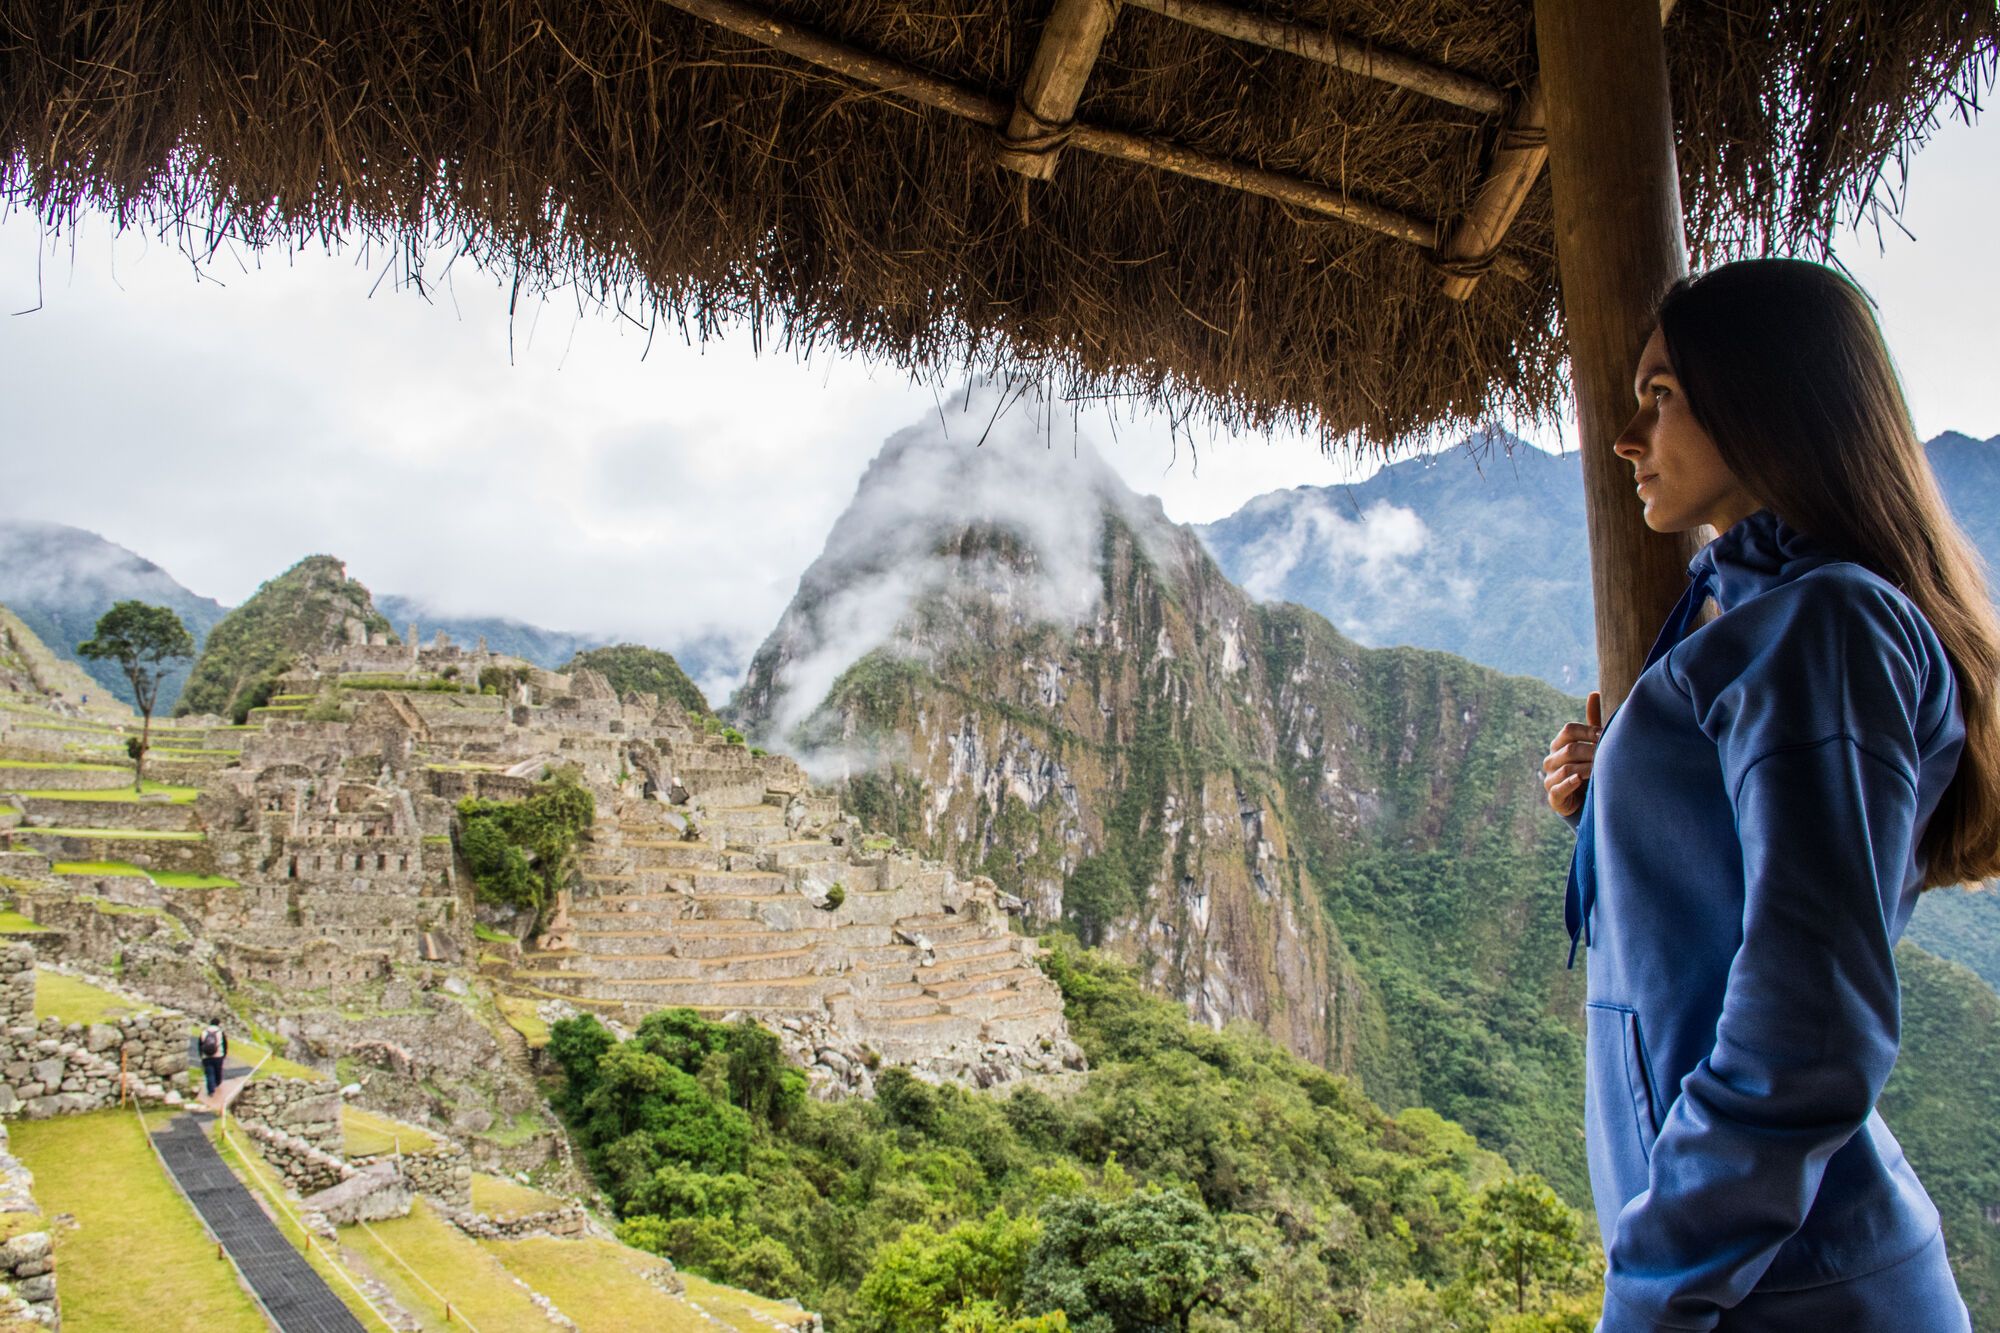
(296, 1297)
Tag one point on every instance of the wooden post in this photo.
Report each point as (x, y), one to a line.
(1047, 104)
(1619, 245)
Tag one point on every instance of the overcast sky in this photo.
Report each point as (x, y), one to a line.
(226, 422)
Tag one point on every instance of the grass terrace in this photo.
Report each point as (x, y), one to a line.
(453, 1268)
(166, 879)
(119, 795)
(496, 1196)
(137, 1256)
(127, 834)
(53, 766)
(100, 869)
(261, 1058)
(367, 1133)
(13, 923)
(69, 999)
(521, 1016)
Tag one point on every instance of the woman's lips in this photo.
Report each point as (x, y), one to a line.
(1639, 482)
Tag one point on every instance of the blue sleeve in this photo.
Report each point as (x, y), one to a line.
(1819, 753)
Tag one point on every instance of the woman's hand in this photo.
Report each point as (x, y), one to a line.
(1570, 755)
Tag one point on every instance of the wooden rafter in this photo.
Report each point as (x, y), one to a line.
(899, 80)
(1046, 106)
(1330, 48)
(1518, 158)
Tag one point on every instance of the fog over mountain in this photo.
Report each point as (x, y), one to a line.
(1017, 520)
(1482, 551)
(59, 580)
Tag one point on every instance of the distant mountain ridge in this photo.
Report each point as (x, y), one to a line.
(60, 579)
(1486, 556)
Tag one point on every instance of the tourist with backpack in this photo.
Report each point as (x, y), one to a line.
(214, 1046)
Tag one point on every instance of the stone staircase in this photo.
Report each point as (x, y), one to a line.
(738, 915)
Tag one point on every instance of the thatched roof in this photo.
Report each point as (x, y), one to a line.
(701, 177)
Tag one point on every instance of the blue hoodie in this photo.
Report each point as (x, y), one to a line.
(1757, 805)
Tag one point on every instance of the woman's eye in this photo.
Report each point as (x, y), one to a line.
(1659, 392)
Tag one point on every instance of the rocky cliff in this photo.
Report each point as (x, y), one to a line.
(1017, 665)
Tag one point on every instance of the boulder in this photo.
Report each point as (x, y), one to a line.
(372, 1194)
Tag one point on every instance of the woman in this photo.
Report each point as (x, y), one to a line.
(1762, 812)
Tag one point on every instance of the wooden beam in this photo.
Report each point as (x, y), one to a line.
(1517, 163)
(1046, 104)
(1330, 48)
(901, 81)
(1619, 246)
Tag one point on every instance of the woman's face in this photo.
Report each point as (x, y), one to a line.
(1682, 480)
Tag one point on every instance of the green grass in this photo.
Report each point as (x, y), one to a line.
(129, 834)
(187, 879)
(79, 766)
(137, 1257)
(99, 868)
(177, 752)
(263, 1180)
(70, 999)
(599, 1284)
(13, 923)
(496, 1196)
(367, 1134)
(734, 1307)
(456, 1269)
(70, 726)
(166, 879)
(492, 936)
(253, 1053)
(119, 795)
(521, 1016)
(8, 810)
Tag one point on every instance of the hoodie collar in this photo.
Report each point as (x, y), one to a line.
(1756, 555)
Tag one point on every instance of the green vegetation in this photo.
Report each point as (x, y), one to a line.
(496, 1196)
(1962, 925)
(266, 1062)
(182, 879)
(521, 1016)
(253, 645)
(1190, 1171)
(142, 641)
(126, 834)
(100, 1169)
(118, 795)
(366, 1133)
(1946, 1078)
(79, 767)
(455, 1268)
(633, 667)
(521, 852)
(481, 930)
(69, 999)
(13, 923)
(120, 869)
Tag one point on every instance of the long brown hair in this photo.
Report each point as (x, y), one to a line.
(1785, 368)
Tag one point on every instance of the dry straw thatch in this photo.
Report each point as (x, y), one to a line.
(703, 180)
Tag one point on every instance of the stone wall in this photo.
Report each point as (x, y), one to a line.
(53, 1068)
(309, 1112)
(27, 1259)
(570, 1222)
(444, 1173)
(304, 1167)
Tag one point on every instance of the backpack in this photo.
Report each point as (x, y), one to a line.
(211, 1043)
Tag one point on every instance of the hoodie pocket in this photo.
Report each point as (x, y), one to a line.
(1621, 1105)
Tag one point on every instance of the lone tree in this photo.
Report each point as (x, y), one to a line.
(143, 640)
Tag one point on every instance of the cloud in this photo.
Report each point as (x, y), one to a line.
(1311, 534)
(992, 506)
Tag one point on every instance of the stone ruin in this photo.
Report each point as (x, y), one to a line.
(713, 878)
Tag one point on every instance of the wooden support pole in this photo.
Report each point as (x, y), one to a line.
(1331, 48)
(1516, 165)
(1047, 101)
(1618, 247)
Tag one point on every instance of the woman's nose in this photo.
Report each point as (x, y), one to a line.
(1631, 441)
